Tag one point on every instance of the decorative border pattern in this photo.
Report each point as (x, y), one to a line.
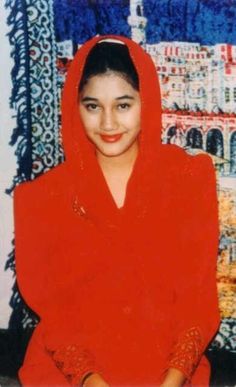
(35, 94)
(226, 336)
(46, 149)
(20, 97)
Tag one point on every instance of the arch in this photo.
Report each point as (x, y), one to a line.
(170, 133)
(233, 153)
(194, 138)
(215, 144)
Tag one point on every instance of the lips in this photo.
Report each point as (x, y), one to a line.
(111, 138)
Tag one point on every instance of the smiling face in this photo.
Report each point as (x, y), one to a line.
(110, 110)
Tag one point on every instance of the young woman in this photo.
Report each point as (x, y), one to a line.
(116, 248)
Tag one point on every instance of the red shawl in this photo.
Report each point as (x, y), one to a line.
(125, 292)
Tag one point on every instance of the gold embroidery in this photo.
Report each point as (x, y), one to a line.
(187, 351)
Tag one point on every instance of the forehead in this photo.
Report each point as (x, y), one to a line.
(109, 84)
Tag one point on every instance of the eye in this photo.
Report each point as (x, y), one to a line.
(92, 107)
(124, 106)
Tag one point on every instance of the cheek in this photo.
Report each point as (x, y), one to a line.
(135, 120)
(89, 122)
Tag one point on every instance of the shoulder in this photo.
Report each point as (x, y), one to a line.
(188, 179)
(176, 161)
(39, 194)
(44, 186)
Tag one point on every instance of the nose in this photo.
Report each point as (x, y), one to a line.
(108, 122)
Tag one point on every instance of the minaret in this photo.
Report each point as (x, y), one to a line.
(137, 22)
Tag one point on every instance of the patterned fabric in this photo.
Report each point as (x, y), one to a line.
(187, 352)
(35, 93)
(44, 36)
(74, 363)
(20, 98)
(226, 337)
(46, 149)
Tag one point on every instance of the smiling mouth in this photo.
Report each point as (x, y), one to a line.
(111, 138)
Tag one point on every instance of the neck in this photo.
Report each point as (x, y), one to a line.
(118, 164)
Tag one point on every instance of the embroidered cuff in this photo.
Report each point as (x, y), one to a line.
(74, 363)
(187, 352)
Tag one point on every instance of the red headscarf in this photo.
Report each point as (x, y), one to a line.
(126, 292)
(73, 134)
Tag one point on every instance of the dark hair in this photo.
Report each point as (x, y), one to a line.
(109, 56)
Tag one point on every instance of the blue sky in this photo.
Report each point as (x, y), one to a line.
(204, 21)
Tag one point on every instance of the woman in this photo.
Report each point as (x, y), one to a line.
(120, 265)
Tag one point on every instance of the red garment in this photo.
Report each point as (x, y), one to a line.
(125, 292)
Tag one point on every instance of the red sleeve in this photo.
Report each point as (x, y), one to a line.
(38, 368)
(196, 314)
(55, 350)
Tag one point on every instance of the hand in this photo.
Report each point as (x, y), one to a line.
(95, 380)
(174, 378)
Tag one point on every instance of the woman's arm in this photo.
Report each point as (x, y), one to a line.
(38, 368)
(56, 352)
(196, 313)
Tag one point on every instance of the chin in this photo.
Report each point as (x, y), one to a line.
(110, 151)
(116, 150)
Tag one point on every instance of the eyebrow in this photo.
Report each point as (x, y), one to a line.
(86, 99)
(126, 96)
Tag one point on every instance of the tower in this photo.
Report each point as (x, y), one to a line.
(137, 21)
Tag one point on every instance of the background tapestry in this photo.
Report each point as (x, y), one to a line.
(193, 45)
